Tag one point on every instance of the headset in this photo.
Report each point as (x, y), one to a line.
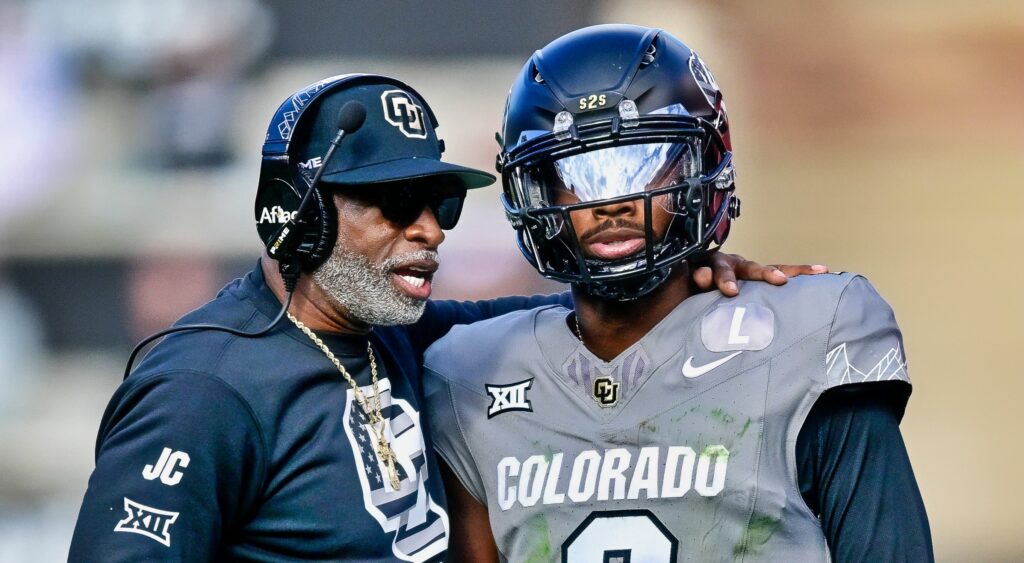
(308, 228)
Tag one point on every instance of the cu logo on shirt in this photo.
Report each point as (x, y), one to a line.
(167, 467)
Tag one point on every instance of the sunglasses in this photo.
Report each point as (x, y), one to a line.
(403, 202)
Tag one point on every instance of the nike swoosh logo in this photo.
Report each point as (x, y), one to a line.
(691, 371)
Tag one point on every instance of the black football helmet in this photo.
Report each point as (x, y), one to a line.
(610, 114)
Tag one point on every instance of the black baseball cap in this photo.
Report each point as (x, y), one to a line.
(396, 142)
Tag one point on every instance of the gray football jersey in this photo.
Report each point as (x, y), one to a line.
(680, 449)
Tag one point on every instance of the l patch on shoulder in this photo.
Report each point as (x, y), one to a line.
(151, 522)
(509, 397)
(731, 327)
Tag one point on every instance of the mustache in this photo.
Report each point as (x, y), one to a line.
(611, 224)
(395, 261)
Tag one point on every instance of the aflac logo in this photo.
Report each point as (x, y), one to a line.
(276, 214)
(402, 112)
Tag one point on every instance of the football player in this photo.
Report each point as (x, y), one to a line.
(657, 423)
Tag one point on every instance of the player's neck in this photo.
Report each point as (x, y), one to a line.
(310, 304)
(608, 327)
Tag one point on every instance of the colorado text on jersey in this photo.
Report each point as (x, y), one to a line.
(613, 474)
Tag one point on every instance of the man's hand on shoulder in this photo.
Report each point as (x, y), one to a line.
(721, 270)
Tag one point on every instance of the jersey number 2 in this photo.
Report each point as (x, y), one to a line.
(620, 536)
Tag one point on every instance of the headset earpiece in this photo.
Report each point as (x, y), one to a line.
(320, 232)
(310, 239)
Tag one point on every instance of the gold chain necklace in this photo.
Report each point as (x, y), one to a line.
(374, 413)
(576, 324)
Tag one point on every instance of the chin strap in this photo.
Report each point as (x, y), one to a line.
(628, 289)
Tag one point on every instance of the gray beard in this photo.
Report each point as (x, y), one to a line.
(365, 289)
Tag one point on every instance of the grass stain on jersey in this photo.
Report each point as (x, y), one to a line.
(648, 426)
(538, 526)
(746, 425)
(549, 452)
(759, 531)
(722, 416)
(716, 451)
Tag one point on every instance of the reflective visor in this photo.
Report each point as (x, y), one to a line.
(610, 172)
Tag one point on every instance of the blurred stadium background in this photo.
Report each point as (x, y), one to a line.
(880, 137)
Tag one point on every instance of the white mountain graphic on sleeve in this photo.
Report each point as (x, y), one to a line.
(891, 366)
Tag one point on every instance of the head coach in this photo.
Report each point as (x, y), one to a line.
(282, 420)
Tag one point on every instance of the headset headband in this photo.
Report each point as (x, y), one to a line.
(288, 116)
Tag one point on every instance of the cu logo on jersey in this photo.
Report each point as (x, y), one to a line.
(606, 391)
(509, 397)
(402, 112)
(167, 467)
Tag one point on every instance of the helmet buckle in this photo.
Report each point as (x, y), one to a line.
(734, 207)
(726, 179)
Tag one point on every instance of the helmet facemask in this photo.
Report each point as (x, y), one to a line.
(655, 162)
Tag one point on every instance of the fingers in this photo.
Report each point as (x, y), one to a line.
(771, 274)
(703, 278)
(776, 275)
(754, 271)
(792, 270)
(724, 269)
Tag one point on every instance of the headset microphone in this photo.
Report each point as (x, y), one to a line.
(287, 238)
(350, 118)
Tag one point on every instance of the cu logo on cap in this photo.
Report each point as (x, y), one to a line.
(402, 112)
